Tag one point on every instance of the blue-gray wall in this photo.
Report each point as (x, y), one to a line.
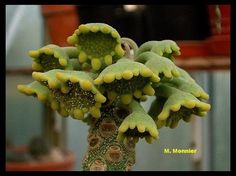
(23, 114)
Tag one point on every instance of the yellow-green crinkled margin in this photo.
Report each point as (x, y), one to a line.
(35, 89)
(161, 66)
(165, 48)
(52, 57)
(97, 42)
(178, 105)
(138, 124)
(74, 90)
(127, 78)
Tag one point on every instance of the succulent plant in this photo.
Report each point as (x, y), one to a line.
(102, 79)
(38, 147)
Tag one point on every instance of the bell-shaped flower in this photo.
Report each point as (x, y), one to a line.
(137, 124)
(126, 79)
(97, 42)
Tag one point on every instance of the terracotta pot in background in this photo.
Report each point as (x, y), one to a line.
(219, 43)
(66, 165)
(61, 21)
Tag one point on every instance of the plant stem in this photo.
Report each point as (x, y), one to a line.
(104, 152)
(131, 43)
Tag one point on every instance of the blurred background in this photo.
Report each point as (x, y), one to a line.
(203, 34)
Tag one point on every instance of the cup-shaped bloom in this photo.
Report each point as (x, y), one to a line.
(165, 48)
(44, 94)
(74, 91)
(127, 78)
(97, 42)
(52, 57)
(161, 66)
(178, 105)
(138, 124)
(190, 87)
